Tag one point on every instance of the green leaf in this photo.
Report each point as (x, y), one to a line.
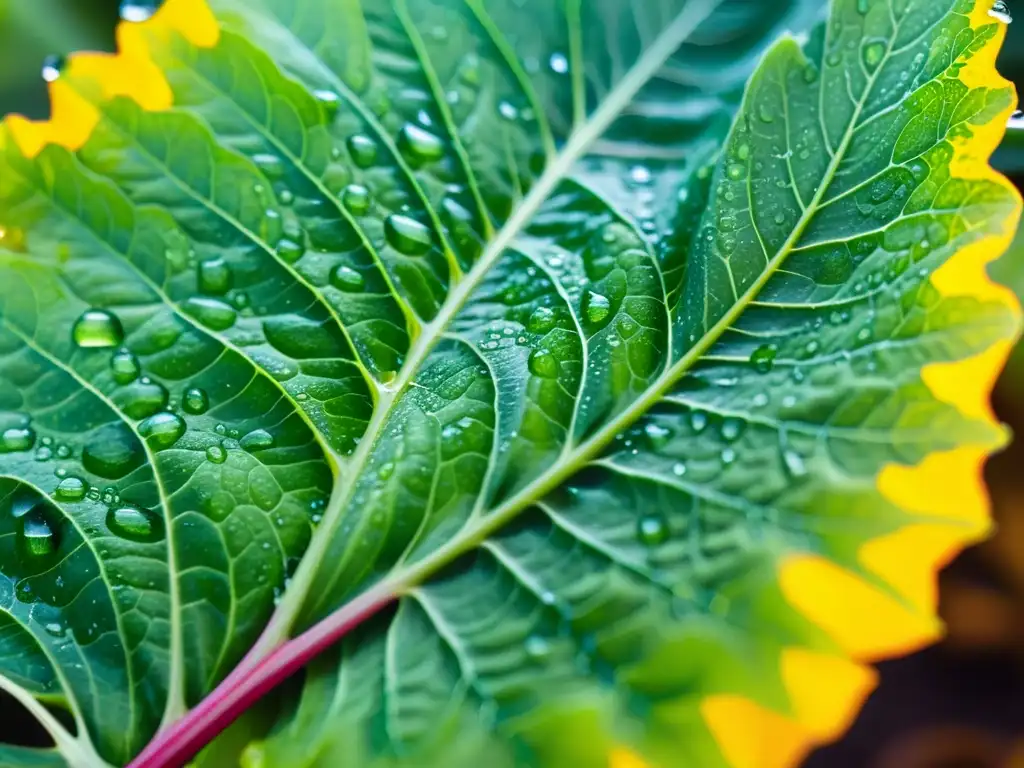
(474, 330)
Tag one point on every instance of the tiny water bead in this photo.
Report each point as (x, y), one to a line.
(124, 367)
(406, 235)
(537, 648)
(356, 199)
(162, 430)
(347, 279)
(872, 53)
(135, 523)
(652, 529)
(71, 488)
(657, 436)
(17, 439)
(195, 401)
(763, 358)
(363, 150)
(52, 68)
(97, 328)
(216, 454)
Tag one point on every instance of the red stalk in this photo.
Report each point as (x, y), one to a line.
(250, 680)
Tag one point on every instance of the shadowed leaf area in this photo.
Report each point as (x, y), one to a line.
(628, 361)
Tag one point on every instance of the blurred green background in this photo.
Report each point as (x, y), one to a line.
(959, 704)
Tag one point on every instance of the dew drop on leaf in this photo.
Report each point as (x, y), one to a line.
(537, 648)
(257, 440)
(763, 358)
(872, 53)
(139, 10)
(135, 523)
(1001, 12)
(97, 328)
(195, 401)
(329, 100)
(162, 430)
(124, 367)
(356, 198)
(52, 67)
(542, 320)
(596, 309)
(657, 435)
(213, 313)
(37, 537)
(347, 279)
(271, 165)
(698, 421)
(71, 488)
(679, 469)
(216, 454)
(419, 146)
(16, 439)
(213, 276)
(728, 456)
(363, 150)
(794, 463)
(142, 398)
(652, 530)
(407, 235)
(544, 364)
(289, 250)
(731, 429)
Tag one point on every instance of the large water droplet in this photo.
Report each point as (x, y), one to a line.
(289, 250)
(162, 430)
(52, 67)
(213, 313)
(139, 10)
(356, 198)
(257, 440)
(37, 536)
(363, 150)
(419, 146)
(407, 235)
(124, 367)
(71, 488)
(652, 530)
(347, 279)
(97, 328)
(195, 401)
(214, 276)
(542, 320)
(16, 439)
(872, 53)
(216, 454)
(1001, 12)
(135, 523)
(544, 364)
(537, 648)
(142, 398)
(112, 452)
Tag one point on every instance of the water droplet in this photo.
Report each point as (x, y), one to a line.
(356, 198)
(97, 328)
(1001, 12)
(728, 456)
(289, 250)
(37, 536)
(55, 629)
(872, 53)
(216, 454)
(195, 401)
(542, 320)
(363, 150)
(347, 279)
(213, 313)
(698, 421)
(763, 358)
(419, 146)
(52, 67)
(736, 171)
(407, 235)
(657, 435)
(139, 10)
(142, 398)
(135, 523)
(731, 429)
(124, 367)
(71, 488)
(329, 100)
(257, 440)
(16, 439)
(112, 452)
(652, 530)
(596, 308)
(213, 276)
(640, 174)
(507, 110)
(544, 364)
(679, 469)
(537, 648)
(162, 430)
(794, 463)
